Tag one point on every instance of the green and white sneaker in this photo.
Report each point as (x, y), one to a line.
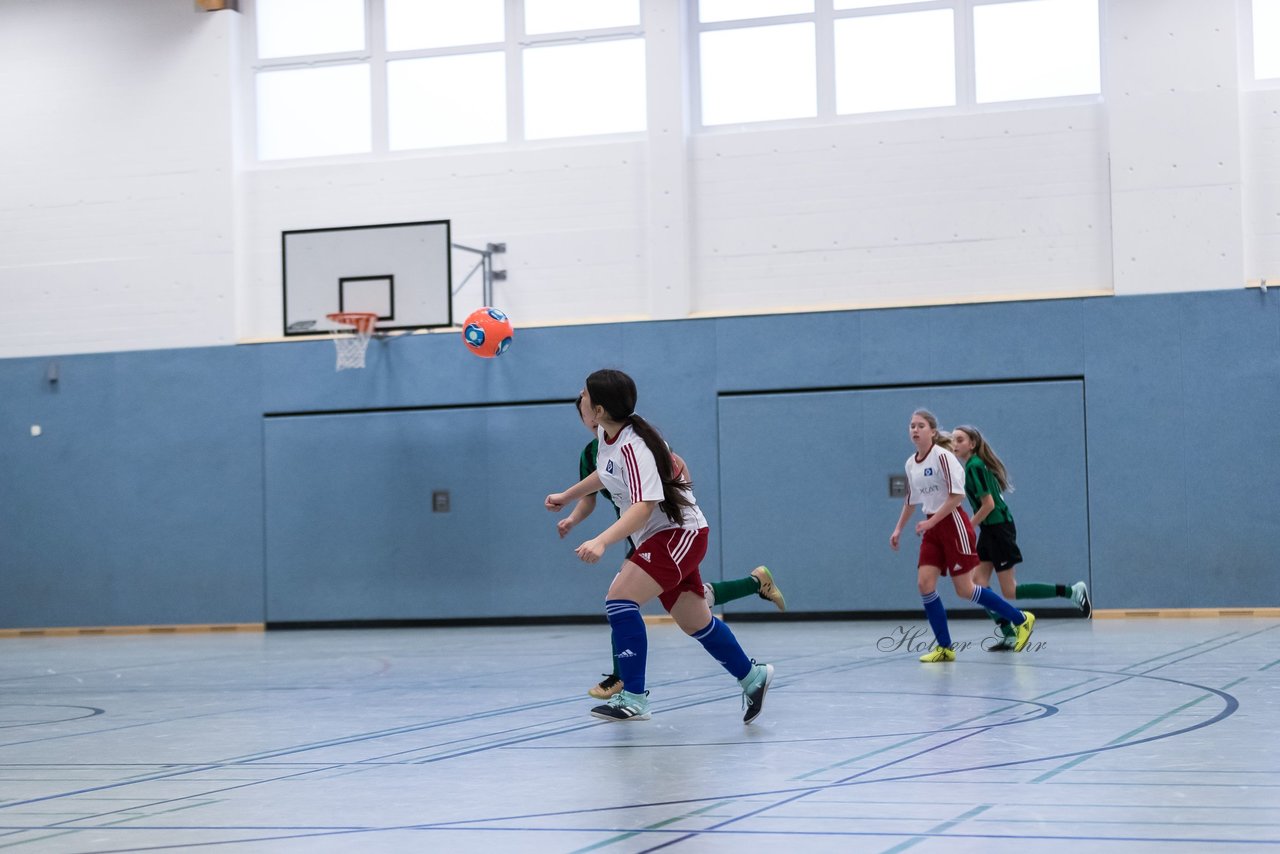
(1005, 644)
(754, 685)
(1080, 595)
(624, 706)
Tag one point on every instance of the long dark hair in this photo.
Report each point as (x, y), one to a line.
(987, 454)
(616, 392)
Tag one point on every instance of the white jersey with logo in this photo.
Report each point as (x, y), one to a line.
(627, 469)
(931, 481)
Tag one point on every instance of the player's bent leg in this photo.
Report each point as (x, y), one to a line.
(1008, 583)
(633, 583)
(691, 613)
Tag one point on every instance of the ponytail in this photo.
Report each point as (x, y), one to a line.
(676, 494)
(616, 392)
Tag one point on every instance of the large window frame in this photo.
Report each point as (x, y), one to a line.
(824, 17)
(377, 57)
(1248, 59)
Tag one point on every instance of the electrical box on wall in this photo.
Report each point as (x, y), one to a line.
(897, 486)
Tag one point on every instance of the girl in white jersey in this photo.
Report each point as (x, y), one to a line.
(634, 464)
(935, 480)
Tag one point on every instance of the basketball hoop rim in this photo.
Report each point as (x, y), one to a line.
(363, 321)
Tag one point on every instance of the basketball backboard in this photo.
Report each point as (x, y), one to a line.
(400, 271)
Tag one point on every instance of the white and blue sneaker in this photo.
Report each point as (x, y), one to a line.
(624, 706)
(1080, 596)
(754, 685)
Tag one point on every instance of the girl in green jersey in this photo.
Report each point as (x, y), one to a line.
(985, 480)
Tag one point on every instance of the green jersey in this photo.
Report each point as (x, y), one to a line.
(587, 464)
(979, 481)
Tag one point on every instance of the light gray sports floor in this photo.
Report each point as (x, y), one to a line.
(1140, 735)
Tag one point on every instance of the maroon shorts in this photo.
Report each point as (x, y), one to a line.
(950, 545)
(671, 558)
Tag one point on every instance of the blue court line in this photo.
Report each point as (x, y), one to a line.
(1148, 725)
(1271, 665)
(202, 767)
(953, 728)
(758, 835)
(938, 830)
(1176, 651)
(1232, 705)
(655, 826)
(806, 792)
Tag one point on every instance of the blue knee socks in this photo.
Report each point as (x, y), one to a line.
(937, 615)
(630, 643)
(991, 600)
(718, 639)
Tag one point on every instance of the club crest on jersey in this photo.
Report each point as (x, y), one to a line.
(928, 472)
(608, 466)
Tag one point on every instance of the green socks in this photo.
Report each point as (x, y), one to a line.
(1043, 591)
(739, 588)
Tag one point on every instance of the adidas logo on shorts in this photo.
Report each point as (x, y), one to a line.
(645, 556)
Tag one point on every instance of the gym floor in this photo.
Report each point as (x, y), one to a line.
(1105, 735)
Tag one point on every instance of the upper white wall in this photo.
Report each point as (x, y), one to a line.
(116, 178)
(983, 206)
(128, 222)
(1172, 86)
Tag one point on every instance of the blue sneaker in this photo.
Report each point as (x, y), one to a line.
(754, 685)
(624, 706)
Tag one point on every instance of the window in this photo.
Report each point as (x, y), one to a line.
(1036, 49)
(584, 89)
(738, 87)
(728, 10)
(558, 16)
(446, 100)
(313, 112)
(303, 27)
(341, 77)
(761, 60)
(416, 24)
(1266, 36)
(895, 62)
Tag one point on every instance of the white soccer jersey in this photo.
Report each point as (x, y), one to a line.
(932, 480)
(627, 469)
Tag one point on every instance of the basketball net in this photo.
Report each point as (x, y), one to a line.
(351, 344)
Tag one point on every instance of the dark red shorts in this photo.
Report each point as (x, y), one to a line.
(950, 545)
(671, 558)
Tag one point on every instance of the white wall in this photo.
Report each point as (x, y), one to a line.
(127, 221)
(116, 178)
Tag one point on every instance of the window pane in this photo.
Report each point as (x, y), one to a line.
(895, 62)
(867, 4)
(415, 24)
(312, 112)
(556, 16)
(302, 27)
(739, 85)
(583, 89)
(1266, 39)
(730, 10)
(447, 100)
(1037, 49)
